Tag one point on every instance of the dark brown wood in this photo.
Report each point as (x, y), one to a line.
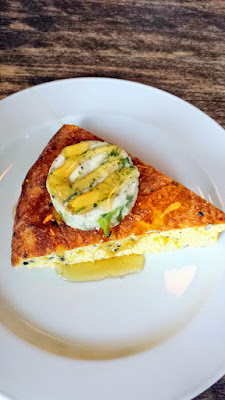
(175, 45)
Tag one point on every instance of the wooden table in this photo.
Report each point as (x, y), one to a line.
(175, 45)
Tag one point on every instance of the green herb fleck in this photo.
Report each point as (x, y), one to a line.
(95, 205)
(104, 161)
(79, 172)
(105, 219)
(129, 200)
(80, 209)
(61, 215)
(114, 153)
(84, 152)
(125, 161)
(72, 196)
(120, 216)
(104, 198)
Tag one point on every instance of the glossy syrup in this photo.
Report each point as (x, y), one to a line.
(107, 268)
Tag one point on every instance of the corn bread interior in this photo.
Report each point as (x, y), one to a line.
(154, 242)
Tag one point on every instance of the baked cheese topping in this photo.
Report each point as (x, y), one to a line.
(93, 184)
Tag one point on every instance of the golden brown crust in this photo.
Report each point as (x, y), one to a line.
(33, 237)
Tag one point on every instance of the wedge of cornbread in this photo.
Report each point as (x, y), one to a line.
(166, 216)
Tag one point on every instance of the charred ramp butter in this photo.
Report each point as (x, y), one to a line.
(93, 184)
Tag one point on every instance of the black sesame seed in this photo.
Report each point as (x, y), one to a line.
(14, 233)
(55, 223)
(116, 249)
(25, 263)
(62, 258)
(152, 190)
(50, 204)
(109, 234)
(95, 204)
(201, 214)
(53, 196)
(118, 245)
(25, 255)
(50, 258)
(40, 157)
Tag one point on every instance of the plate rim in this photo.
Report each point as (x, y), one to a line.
(109, 79)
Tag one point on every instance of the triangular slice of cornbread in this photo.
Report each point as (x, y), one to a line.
(166, 216)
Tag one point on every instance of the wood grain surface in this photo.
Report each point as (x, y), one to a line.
(175, 45)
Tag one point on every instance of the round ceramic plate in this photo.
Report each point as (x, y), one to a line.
(155, 335)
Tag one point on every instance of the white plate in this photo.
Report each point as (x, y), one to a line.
(156, 335)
